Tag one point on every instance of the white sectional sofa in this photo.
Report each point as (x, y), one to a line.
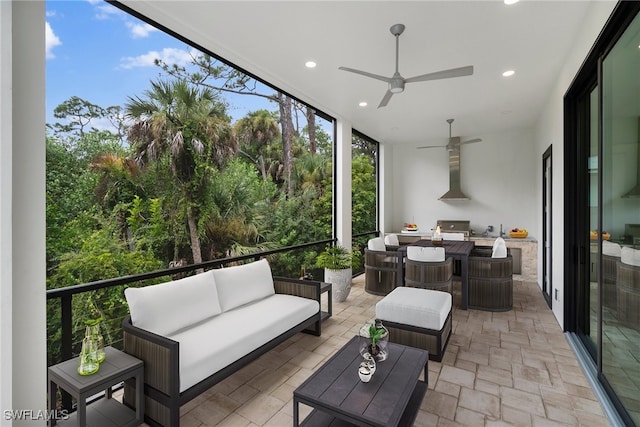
(194, 332)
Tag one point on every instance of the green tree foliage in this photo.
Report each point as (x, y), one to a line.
(102, 255)
(187, 125)
(257, 132)
(363, 194)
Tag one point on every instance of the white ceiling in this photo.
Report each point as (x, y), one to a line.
(273, 40)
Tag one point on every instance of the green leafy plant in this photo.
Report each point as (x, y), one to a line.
(93, 322)
(375, 334)
(335, 258)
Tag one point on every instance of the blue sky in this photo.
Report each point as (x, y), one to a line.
(102, 55)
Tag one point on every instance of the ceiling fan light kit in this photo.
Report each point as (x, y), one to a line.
(397, 82)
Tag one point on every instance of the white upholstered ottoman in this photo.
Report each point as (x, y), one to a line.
(418, 318)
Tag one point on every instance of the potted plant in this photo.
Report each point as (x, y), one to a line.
(337, 262)
(374, 337)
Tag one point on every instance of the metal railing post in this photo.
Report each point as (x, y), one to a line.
(67, 340)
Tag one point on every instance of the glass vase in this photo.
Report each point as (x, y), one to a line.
(87, 363)
(93, 332)
(378, 350)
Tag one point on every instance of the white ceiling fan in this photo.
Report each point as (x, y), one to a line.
(397, 82)
(454, 142)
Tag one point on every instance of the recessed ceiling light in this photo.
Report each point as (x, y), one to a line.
(310, 64)
(510, 2)
(508, 73)
(363, 103)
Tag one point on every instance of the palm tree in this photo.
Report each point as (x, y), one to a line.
(188, 126)
(310, 172)
(256, 131)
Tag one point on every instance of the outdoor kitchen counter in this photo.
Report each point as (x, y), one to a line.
(525, 263)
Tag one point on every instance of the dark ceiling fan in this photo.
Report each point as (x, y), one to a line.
(397, 82)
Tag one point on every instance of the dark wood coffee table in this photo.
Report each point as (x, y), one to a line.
(391, 398)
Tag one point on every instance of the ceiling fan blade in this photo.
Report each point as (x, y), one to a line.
(471, 141)
(431, 146)
(385, 99)
(444, 74)
(364, 73)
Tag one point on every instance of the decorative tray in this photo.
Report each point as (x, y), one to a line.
(518, 234)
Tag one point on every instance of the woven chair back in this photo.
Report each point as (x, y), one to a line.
(430, 275)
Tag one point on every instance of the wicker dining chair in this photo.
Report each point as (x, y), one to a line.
(611, 253)
(628, 282)
(380, 267)
(491, 278)
(427, 268)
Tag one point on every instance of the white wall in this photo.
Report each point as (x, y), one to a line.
(549, 130)
(497, 174)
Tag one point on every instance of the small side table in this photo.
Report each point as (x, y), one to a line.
(116, 368)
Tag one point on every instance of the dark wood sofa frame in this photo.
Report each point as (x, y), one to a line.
(162, 364)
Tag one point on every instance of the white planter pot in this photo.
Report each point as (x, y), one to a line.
(340, 282)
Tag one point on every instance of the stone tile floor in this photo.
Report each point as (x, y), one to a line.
(500, 369)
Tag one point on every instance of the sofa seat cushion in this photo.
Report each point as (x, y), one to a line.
(161, 308)
(242, 284)
(211, 345)
(424, 308)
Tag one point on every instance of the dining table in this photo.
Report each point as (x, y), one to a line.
(459, 250)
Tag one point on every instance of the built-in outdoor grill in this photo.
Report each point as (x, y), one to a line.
(454, 226)
(632, 234)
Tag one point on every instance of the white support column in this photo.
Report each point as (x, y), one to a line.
(385, 198)
(6, 298)
(23, 351)
(343, 180)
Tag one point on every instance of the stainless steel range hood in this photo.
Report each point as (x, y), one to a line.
(454, 193)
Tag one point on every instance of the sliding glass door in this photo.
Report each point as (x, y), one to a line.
(602, 213)
(620, 210)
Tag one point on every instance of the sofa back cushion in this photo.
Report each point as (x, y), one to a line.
(376, 244)
(499, 249)
(425, 254)
(611, 249)
(243, 284)
(391, 240)
(169, 307)
(630, 256)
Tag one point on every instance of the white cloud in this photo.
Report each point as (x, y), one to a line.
(51, 40)
(105, 11)
(140, 30)
(169, 55)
